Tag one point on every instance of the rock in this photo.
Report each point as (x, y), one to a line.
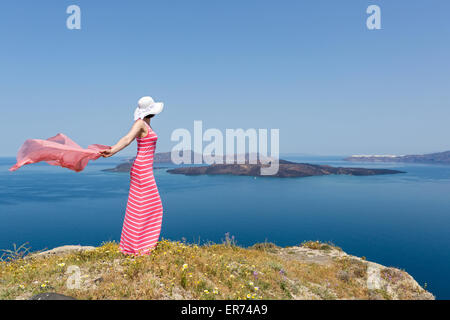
(61, 250)
(98, 280)
(307, 255)
(51, 296)
(381, 282)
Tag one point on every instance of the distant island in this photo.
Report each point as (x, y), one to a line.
(286, 169)
(431, 158)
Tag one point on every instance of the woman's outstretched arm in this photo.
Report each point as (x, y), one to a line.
(135, 131)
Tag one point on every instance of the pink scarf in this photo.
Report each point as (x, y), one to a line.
(59, 150)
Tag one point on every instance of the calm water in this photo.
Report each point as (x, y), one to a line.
(397, 220)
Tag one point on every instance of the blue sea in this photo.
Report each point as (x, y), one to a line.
(400, 220)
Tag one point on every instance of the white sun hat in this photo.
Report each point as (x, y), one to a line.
(147, 106)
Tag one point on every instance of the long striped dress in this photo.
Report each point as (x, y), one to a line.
(143, 216)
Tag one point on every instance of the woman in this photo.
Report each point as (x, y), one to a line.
(143, 216)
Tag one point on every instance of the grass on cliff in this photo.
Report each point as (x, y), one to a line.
(176, 270)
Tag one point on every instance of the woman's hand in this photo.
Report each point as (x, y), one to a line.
(107, 153)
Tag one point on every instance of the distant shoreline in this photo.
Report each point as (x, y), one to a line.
(430, 158)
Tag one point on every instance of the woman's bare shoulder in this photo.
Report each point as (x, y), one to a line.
(140, 126)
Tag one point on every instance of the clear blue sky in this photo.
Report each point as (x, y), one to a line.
(310, 68)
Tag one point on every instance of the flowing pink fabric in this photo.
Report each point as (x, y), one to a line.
(59, 150)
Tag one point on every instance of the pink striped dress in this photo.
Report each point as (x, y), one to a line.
(143, 216)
